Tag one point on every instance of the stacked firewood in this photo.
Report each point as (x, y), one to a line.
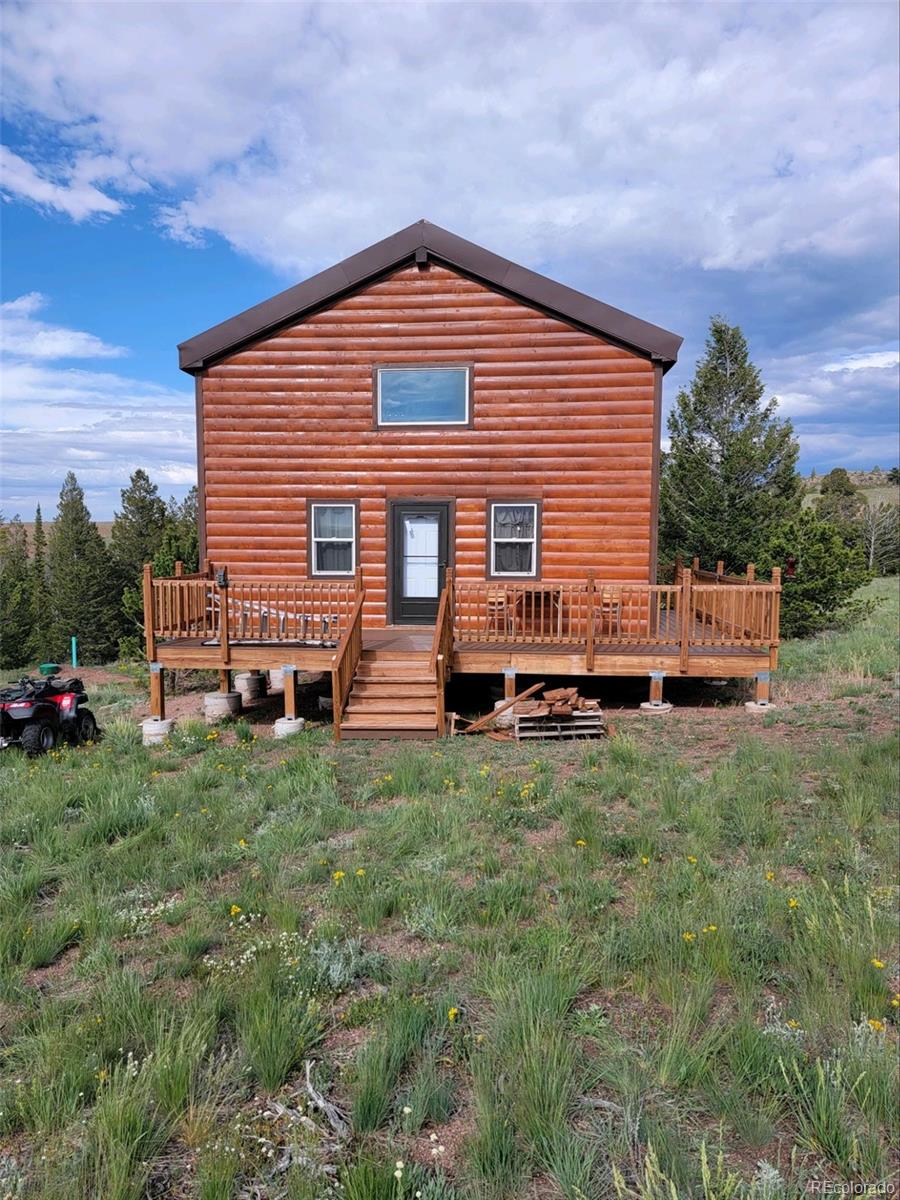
(557, 702)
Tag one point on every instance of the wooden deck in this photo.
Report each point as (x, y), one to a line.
(703, 624)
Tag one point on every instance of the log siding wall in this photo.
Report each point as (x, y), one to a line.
(560, 416)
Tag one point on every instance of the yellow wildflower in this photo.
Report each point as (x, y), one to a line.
(337, 876)
(644, 860)
(877, 964)
(360, 872)
(243, 843)
(709, 929)
(792, 1024)
(452, 1014)
(770, 876)
(793, 902)
(235, 910)
(875, 1025)
(692, 858)
(689, 936)
(580, 842)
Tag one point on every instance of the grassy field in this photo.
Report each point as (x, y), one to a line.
(663, 965)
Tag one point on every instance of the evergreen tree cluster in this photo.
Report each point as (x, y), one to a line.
(729, 490)
(71, 583)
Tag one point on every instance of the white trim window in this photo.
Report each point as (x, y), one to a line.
(333, 536)
(422, 395)
(514, 531)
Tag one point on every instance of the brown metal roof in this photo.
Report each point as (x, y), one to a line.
(445, 247)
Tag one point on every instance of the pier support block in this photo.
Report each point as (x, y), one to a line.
(218, 705)
(251, 685)
(155, 730)
(656, 706)
(760, 701)
(286, 726)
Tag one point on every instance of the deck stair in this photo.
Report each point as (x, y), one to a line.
(394, 695)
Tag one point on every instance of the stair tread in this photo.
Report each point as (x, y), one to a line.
(376, 704)
(386, 677)
(389, 720)
(393, 687)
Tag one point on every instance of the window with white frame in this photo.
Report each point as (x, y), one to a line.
(422, 395)
(514, 531)
(333, 539)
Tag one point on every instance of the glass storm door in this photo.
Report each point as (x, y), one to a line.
(419, 540)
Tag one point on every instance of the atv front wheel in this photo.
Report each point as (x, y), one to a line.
(38, 737)
(88, 730)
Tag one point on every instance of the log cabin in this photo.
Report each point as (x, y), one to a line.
(428, 461)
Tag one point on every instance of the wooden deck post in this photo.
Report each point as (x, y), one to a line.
(687, 619)
(589, 632)
(761, 691)
(776, 618)
(656, 687)
(179, 568)
(695, 563)
(509, 682)
(720, 567)
(224, 681)
(149, 615)
(223, 624)
(157, 691)
(440, 715)
(290, 692)
(751, 572)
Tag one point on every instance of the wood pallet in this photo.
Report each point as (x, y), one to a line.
(579, 724)
(560, 713)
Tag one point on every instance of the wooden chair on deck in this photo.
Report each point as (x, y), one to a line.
(610, 613)
(500, 612)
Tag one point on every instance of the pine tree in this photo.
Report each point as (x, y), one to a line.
(83, 598)
(730, 473)
(39, 642)
(15, 594)
(180, 541)
(828, 572)
(138, 529)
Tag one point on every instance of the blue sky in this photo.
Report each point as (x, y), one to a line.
(165, 166)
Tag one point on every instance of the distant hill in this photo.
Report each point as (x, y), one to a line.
(874, 486)
(105, 528)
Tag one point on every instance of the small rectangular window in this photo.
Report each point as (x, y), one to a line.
(514, 530)
(333, 539)
(422, 395)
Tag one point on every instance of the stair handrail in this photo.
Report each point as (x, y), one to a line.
(345, 661)
(442, 642)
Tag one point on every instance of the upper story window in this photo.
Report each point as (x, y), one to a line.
(333, 539)
(422, 395)
(514, 532)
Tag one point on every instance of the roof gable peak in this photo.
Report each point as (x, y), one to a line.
(470, 259)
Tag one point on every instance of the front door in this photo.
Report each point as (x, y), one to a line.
(419, 543)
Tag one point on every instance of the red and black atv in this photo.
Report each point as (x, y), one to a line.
(37, 713)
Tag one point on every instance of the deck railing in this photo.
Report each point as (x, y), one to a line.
(728, 612)
(211, 608)
(346, 660)
(442, 648)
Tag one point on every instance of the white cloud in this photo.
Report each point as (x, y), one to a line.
(23, 336)
(100, 423)
(705, 135)
(76, 197)
(873, 360)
